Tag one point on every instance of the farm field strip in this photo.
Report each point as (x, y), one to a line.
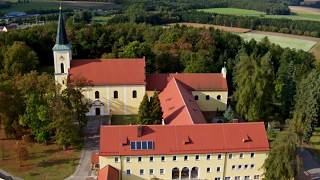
(246, 12)
(222, 28)
(283, 41)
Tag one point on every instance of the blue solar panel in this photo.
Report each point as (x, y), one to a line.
(138, 144)
(144, 145)
(141, 145)
(133, 145)
(150, 145)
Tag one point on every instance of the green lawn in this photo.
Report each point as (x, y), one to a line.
(315, 142)
(246, 12)
(123, 119)
(44, 162)
(101, 19)
(282, 41)
(233, 11)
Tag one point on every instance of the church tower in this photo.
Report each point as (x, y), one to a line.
(62, 54)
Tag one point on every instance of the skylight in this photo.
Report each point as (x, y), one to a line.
(141, 145)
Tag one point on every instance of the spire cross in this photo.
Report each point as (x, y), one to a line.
(60, 7)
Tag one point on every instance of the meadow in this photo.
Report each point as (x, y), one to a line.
(283, 41)
(296, 15)
(40, 5)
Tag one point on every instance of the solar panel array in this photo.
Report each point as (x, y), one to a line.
(141, 145)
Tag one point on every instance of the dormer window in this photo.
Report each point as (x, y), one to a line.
(141, 145)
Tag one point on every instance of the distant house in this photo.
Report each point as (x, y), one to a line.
(3, 29)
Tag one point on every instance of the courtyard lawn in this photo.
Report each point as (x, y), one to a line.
(123, 119)
(44, 162)
(315, 142)
(282, 41)
(233, 11)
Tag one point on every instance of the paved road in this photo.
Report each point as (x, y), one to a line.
(311, 167)
(6, 176)
(83, 171)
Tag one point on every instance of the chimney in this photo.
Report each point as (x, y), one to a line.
(224, 70)
(139, 130)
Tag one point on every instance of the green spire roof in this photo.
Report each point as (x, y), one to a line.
(61, 38)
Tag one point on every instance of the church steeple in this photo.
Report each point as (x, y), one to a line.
(61, 38)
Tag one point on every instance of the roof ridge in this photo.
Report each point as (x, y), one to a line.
(183, 100)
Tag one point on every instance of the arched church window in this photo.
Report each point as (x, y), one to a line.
(97, 95)
(134, 94)
(115, 94)
(62, 67)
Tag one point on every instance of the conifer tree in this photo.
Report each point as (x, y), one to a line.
(144, 113)
(156, 110)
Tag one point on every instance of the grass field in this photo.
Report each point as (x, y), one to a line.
(123, 119)
(222, 28)
(44, 162)
(101, 19)
(39, 5)
(245, 12)
(233, 11)
(282, 41)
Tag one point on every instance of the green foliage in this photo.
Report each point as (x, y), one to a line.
(135, 49)
(282, 162)
(229, 114)
(155, 109)
(144, 111)
(254, 84)
(307, 107)
(135, 12)
(19, 58)
(66, 130)
(37, 90)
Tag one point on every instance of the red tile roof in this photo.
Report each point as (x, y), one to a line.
(194, 81)
(94, 158)
(110, 71)
(178, 105)
(108, 173)
(202, 138)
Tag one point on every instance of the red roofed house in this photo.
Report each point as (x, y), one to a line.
(200, 151)
(117, 86)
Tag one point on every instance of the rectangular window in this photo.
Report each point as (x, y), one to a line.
(185, 158)
(230, 156)
(151, 171)
(133, 145)
(138, 144)
(151, 158)
(139, 159)
(128, 172)
(208, 156)
(217, 178)
(252, 155)
(219, 156)
(252, 166)
(150, 145)
(256, 177)
(239, 166)
(226, 178)
(208, 170)
(163, 158)
(218, 169)
(128, 159)
(247, 178)
(233, 167)
(144, 145)
(197, 157)
(207, 97)
(116, 159)
(241, 155)
(174, 158)
(161, 171)
(237, 178)
(141, 171)
(246, 166)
